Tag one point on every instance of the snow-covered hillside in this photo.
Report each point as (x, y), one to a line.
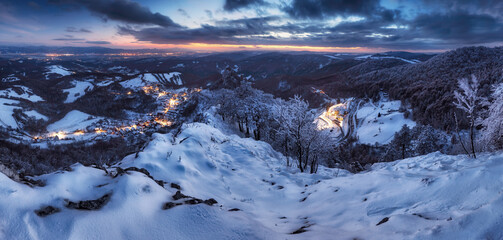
(78, 90)
(22, 92)
(58, 70)
(74, 120)
(147, 79)
(378, 57)
(7, 107)
(429, 197)
(378, 122)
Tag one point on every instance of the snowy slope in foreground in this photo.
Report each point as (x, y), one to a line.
(429, 197)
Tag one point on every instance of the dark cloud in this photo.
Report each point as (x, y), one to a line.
(34, 5)
(461, 27)
(183, 12)
(98, 42)
(326, 8)
(77, 30)
(225, 32)
(231, 5)
(491, 7)
(209, 13)
(443, 25)
(68, 39)
(122, 10)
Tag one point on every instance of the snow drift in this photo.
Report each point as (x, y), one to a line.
(428, 197)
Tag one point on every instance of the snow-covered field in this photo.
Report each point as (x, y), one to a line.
(7, 107)
(74, 120)
(78, 90)
(25, 93)
(153, 78)
(428, 197)
(10, 78)
(37, 115)
(381, 129)
(413, 61)
(58, 69)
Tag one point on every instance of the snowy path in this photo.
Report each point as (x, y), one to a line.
(428, 197)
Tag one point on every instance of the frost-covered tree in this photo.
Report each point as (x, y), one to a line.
(492, 135)
(400, 146)
(426, 139)
(468, 100)
(299, 133)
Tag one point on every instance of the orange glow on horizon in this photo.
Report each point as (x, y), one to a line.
(210, 47)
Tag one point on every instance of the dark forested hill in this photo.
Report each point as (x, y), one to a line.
(428, 86)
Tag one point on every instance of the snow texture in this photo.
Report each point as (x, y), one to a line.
(58, 69)
(37, 115)
(26, 93)
(380, 129)
(10, 78)
(413, 61)
(147, 79)
(6, 111)
(74, 120)
(78, 90)
(429, 197)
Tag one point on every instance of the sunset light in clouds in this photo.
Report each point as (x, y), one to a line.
(235, 25)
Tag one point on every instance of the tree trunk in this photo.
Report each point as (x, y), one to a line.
(286, 152)
(459, 136)
(472, 136)
(299, 156)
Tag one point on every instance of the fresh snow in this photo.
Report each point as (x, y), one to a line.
(78, 90)
(74, 120)
(6, 111)
(26, 93)
(380, 129)
(413, 61)
(173, 77)
(133, 83)
(429, 197)
(104, 83)
(10, 78)
(58, 69)
(332, 57)
(37, 115)
(153, 78)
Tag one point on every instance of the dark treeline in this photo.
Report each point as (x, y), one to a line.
(28, 160)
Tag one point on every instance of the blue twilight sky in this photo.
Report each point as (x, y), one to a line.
(220, 25)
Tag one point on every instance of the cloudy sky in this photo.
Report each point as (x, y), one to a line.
(226, 25)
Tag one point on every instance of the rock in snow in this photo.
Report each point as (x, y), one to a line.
(461, 198)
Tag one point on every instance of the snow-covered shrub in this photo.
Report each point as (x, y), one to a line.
(492, 133)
